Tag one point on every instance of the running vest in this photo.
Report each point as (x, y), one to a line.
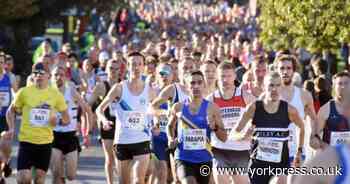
(102, 74)
(163, 122)
(231, 111)
(336, 130)
(294, 130)
(180, 95)
(271, 133)
(132, 121)
(5, 94)
(344, 163)
(72, 111)
(193, 135)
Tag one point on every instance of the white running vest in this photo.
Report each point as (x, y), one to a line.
(294, 130)
(72, 111)
(182, 96)
(132, 121)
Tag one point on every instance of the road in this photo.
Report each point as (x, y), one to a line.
(90, 171)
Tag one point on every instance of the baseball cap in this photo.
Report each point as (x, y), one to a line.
(39, 68)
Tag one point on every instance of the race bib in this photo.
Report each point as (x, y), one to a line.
(39, 117)
(269, 150)
(340, 138)
(229, 123)
(134, 120)
(163, 122)
(194, 139)
(4, 98)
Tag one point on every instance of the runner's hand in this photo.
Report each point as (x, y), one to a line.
(107, 125)
(297, 160)
(86, 141)
(172, 143)
(7, 135)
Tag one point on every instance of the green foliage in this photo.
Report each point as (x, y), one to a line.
(313, 24)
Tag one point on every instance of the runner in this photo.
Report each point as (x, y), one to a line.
(259, 70)
(107, 136)
(332, 120)
(132, 135)
(37, 104)
(270, 119)
(65, 144)
(103, 57)
(300, 99)
(172, 94)
(333, 156)
(164, 77)
(6, 96)
(232, 102)
(197, 119)
(208, 69)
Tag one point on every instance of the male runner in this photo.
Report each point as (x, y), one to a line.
(232, 102)
(270, 119)
(132, 134)
(298, 98)
(164, 77)
(6, 95)
(37, 103)
(195, 121)
(174, 93)
(107, 136)
(65, 144)
(208, 69)
(333, 122)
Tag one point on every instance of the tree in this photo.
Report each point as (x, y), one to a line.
(317, 25)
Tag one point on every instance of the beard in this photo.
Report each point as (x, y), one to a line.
(287, 82)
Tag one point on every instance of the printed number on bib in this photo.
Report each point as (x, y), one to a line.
(163, 122)
(39, 117)
(194, 139)
(269, 150)
(340, 138)
(4, 99)
(134, 120)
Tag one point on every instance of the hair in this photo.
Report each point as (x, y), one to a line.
(226, 66)
(309, 85)
(341, 74)
(290, 58)
(321, 84)
(151, 60)
(135, 54)
(8, 58)
(321, 64)
(194, 54)
(196, 72)
(258, 60)
(272, 75)
(73, 55)
(210, 62)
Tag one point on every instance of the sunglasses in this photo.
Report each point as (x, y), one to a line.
(39, 72)
(163, 73)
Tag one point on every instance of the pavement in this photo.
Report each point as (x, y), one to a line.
(90, 168)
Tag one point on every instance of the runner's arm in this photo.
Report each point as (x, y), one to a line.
(219, 126)
(247, 115)
(114, 93)
(173, 121)
(294, 117)
(310, 110)
(10, 117)
(163, 97)
(86, 110)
